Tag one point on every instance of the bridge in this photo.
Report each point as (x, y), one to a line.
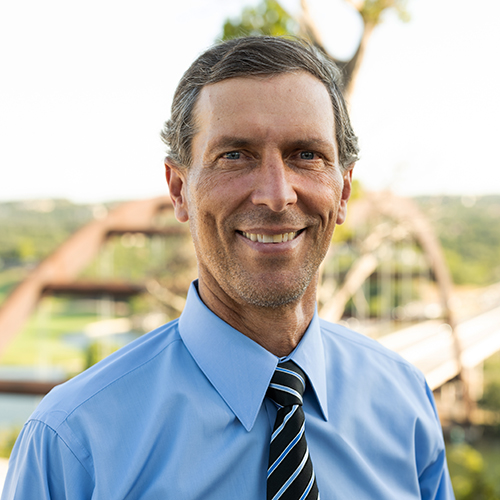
(385, 276)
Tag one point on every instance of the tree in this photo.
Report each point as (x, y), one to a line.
(470, 481)
(372, 14)
(269, 18)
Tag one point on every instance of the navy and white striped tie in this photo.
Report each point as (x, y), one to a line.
(290, 475)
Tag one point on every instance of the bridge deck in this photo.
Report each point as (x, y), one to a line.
(430, 347)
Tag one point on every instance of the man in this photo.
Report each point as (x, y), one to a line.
(214, 405)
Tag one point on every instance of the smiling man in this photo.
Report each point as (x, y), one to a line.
(248, 395)
(263, 194)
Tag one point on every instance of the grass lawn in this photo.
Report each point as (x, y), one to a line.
(42, 342)
(9, 278)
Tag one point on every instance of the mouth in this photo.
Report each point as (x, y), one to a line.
(271, 238)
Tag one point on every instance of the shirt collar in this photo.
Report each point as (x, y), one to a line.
(310, 356)
(239, 368)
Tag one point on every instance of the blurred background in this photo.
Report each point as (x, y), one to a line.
(91, 256)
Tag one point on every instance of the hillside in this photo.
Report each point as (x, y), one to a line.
(469, 230)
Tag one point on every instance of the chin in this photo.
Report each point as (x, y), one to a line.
(272, 295)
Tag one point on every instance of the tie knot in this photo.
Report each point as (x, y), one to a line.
(287, 385)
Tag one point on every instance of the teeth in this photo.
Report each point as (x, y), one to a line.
(270, 238)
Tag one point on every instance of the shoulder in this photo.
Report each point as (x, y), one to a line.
(381, 381)
(367, 353)
(88, 416)
(39, 453)
(120, 371)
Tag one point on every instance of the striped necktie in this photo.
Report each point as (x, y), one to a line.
(290, 475)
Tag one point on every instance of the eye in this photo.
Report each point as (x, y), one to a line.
(232, 155)
(307, 155)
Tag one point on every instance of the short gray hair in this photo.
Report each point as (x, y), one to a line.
(246, 57)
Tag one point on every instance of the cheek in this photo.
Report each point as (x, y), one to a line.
(222, 194)
(325, 193)
(212, 188)
(207, 206)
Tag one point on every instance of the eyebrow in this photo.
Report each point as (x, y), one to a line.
(312, 143)
(230, 142)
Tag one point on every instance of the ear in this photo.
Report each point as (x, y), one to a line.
(176, 180)
(346, 194)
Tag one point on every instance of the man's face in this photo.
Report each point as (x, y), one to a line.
(265, 189)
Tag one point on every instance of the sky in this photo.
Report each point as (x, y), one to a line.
(85, 88)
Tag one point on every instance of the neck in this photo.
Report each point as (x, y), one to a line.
(277, 329)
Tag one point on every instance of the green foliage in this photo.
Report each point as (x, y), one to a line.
(372, 10)
(133, 257)
(32, 229)
(9, 278)
(344, 232)
(490, 401)
(268, 18)
(491, 397)
(469, 231)
(96, 351)
(492, 369)
(7, 440)
(92, 354)
(468, 476)
(44, 338)
(26, 249)
(357, 190)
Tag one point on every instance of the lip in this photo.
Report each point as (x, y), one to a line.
(271, 231)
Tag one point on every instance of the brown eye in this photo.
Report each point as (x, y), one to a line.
(232, 155)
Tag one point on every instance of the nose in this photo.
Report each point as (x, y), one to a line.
(273, 185)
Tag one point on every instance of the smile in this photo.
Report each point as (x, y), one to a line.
(270, 238)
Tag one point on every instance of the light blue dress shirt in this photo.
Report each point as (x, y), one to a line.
(181, 414)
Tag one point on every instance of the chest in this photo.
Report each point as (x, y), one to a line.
(194, 451)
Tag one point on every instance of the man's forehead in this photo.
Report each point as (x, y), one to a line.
(246, 91)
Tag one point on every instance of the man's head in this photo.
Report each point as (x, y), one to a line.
(255, 167)
(254, 56)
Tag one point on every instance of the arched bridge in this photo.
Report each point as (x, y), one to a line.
(384, 275)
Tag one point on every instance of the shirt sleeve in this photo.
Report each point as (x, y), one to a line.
(43, 466)
(434, 479)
